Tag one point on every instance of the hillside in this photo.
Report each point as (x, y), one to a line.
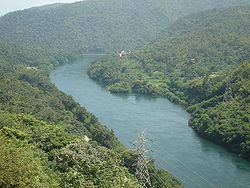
(210, 43)
(99, 25)
(225, 118)
(49, 140)
(189, 66)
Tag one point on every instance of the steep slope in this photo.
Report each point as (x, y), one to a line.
(190, 66)
(99, 25)
(225, 118)
(26, 88)
(38, 154)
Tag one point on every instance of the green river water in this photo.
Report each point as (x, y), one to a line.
(176, 148)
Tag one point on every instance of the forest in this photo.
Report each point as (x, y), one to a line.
(192, 66)
(49, 140)
(99, 25)
(199, 60)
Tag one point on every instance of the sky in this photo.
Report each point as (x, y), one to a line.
(12, 5)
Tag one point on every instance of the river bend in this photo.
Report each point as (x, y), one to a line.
(196, 162)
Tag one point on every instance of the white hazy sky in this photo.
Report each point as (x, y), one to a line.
(12, 5)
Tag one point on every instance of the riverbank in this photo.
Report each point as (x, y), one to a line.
(203, 98)
(47, 139)
(174, 142)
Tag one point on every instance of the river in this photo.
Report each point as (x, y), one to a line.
(198, 163)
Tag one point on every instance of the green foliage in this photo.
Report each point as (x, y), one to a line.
(31, 148)
(158, 178)
(191, 65)
(31, 92)
(99, 25)
(227, 123)
(19, 58)
(43, 131)
(41, 151)
(162, 179)
(120, 87)
(129, 159)
(84, 165)
(19, 167)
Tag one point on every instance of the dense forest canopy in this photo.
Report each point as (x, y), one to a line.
(225, 117)
(190, 65)
(99, 25)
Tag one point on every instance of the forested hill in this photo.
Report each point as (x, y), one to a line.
(201, 45)
(49, 140)
(210, 21)
(191, 65)
(99, 25)
(225, 117)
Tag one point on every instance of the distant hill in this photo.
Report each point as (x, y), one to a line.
(99, 25)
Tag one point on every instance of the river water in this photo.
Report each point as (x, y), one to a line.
(196, 162)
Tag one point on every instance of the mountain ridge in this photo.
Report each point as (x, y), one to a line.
(88, 25)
